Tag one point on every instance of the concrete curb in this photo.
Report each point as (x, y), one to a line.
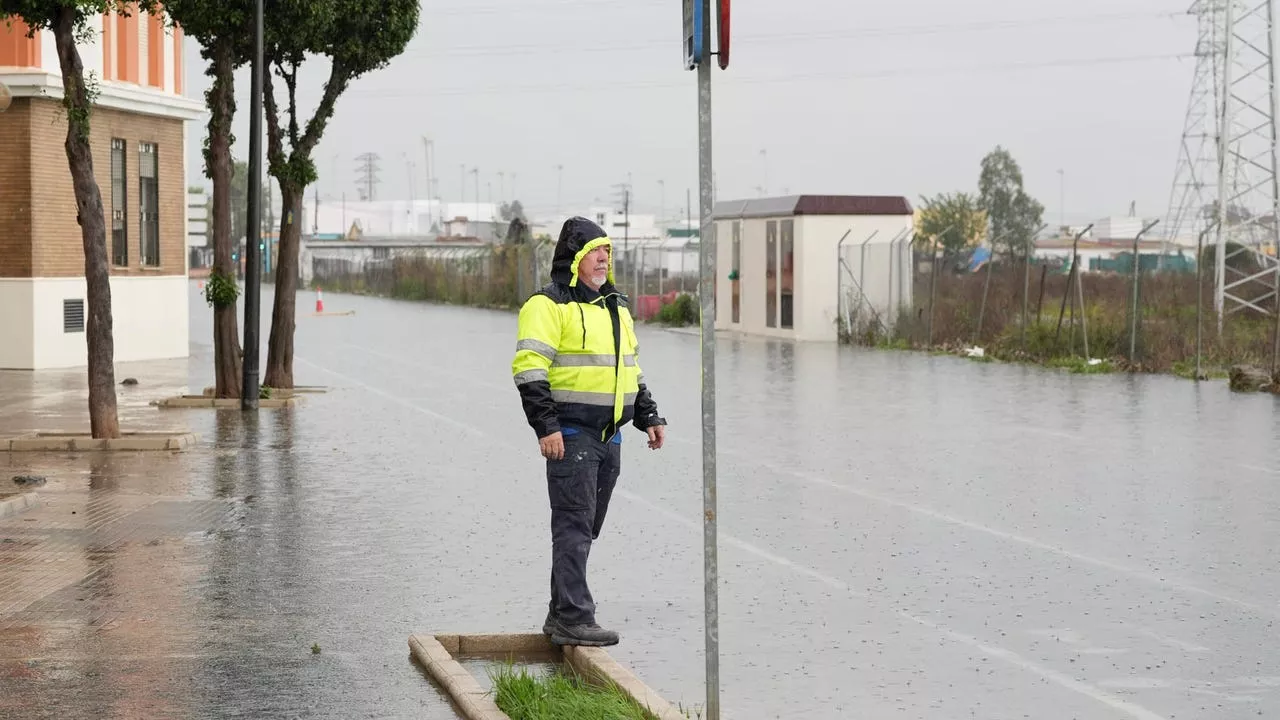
(471, 699)
(84, 442)
(592, 663)
(19, 503)
(598, 666)
(201, 401)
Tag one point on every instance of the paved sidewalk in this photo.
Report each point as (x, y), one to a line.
(176, 585)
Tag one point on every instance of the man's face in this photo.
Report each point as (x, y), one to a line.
(594, 268)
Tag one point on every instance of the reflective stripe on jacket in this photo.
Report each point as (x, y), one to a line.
(594, 379)
(576, 360)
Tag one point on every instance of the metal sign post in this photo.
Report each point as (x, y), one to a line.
(252, 251)
(696, 40)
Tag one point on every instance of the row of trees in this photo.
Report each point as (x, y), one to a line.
(1001, 211)
(355, 37)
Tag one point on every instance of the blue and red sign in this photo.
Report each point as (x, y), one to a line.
(695, 20)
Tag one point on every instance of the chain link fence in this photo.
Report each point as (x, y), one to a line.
(1092, 313)
(499, 276)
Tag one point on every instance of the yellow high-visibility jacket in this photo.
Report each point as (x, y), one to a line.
(576, 361)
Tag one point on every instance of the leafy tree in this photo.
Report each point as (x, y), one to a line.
(68, 20)
(512, 210)
(357, 37)
(224, 30)
(956, 220)
(1014, 215)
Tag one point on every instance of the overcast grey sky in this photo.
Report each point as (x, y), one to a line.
(845, 96)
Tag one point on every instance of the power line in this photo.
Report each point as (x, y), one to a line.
(786, 79)
(661, 44)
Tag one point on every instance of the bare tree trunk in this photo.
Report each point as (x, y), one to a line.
(226, 330)
(280, 345)
(103, 421)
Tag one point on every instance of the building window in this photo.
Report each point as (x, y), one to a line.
(737, 271)
(119, 213)
(149, 203)
(771, 274)
(788, 273)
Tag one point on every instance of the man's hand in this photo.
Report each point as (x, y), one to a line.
(552, 446)
(657, 433)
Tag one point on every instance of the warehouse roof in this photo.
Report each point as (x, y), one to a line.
(813, 205)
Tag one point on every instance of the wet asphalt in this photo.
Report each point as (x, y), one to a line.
(901, 535)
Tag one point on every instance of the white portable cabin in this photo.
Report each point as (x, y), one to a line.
(779, 271)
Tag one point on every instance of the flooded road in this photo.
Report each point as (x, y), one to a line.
(901, 536)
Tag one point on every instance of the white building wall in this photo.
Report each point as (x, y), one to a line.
(16, 352)
(49, 55)
(149, 319)
(170, 70)
(144, 49)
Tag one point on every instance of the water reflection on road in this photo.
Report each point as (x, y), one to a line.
(902, 535)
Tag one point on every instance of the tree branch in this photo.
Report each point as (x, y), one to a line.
(291, 81)
(339, 77)
(275, 145)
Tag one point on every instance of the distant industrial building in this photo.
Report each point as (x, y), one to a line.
(783, 263)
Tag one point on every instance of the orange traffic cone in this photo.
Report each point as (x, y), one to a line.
(319, 301)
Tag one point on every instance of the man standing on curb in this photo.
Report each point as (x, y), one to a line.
(580, 382)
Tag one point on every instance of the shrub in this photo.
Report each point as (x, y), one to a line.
(683, 311)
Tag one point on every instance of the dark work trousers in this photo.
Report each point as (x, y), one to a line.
(579, 487)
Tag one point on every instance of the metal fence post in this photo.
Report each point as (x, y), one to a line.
(986, 287)
(933, 288)
(906, 271)
(888, 310)
(842, 326)
(933, 280)
(1200, 297)
(862, 272)
(1026, 290)
(1137, 275)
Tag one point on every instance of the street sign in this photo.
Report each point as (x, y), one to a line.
(694, 20)
(722, 52)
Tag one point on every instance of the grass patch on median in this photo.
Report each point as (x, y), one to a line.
(559, 696)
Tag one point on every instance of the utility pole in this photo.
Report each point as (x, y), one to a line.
(476, 171)
(429, 149)
(625, 190)
(662, 201)
(626, 239)
(252, 256)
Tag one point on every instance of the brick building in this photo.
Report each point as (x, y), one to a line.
(139, 132)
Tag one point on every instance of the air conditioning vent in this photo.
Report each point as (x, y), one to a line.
(72, 316)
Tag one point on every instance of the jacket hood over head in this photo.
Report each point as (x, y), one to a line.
(578, 236)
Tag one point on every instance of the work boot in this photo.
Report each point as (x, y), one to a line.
(549, 625)
(589, 634)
